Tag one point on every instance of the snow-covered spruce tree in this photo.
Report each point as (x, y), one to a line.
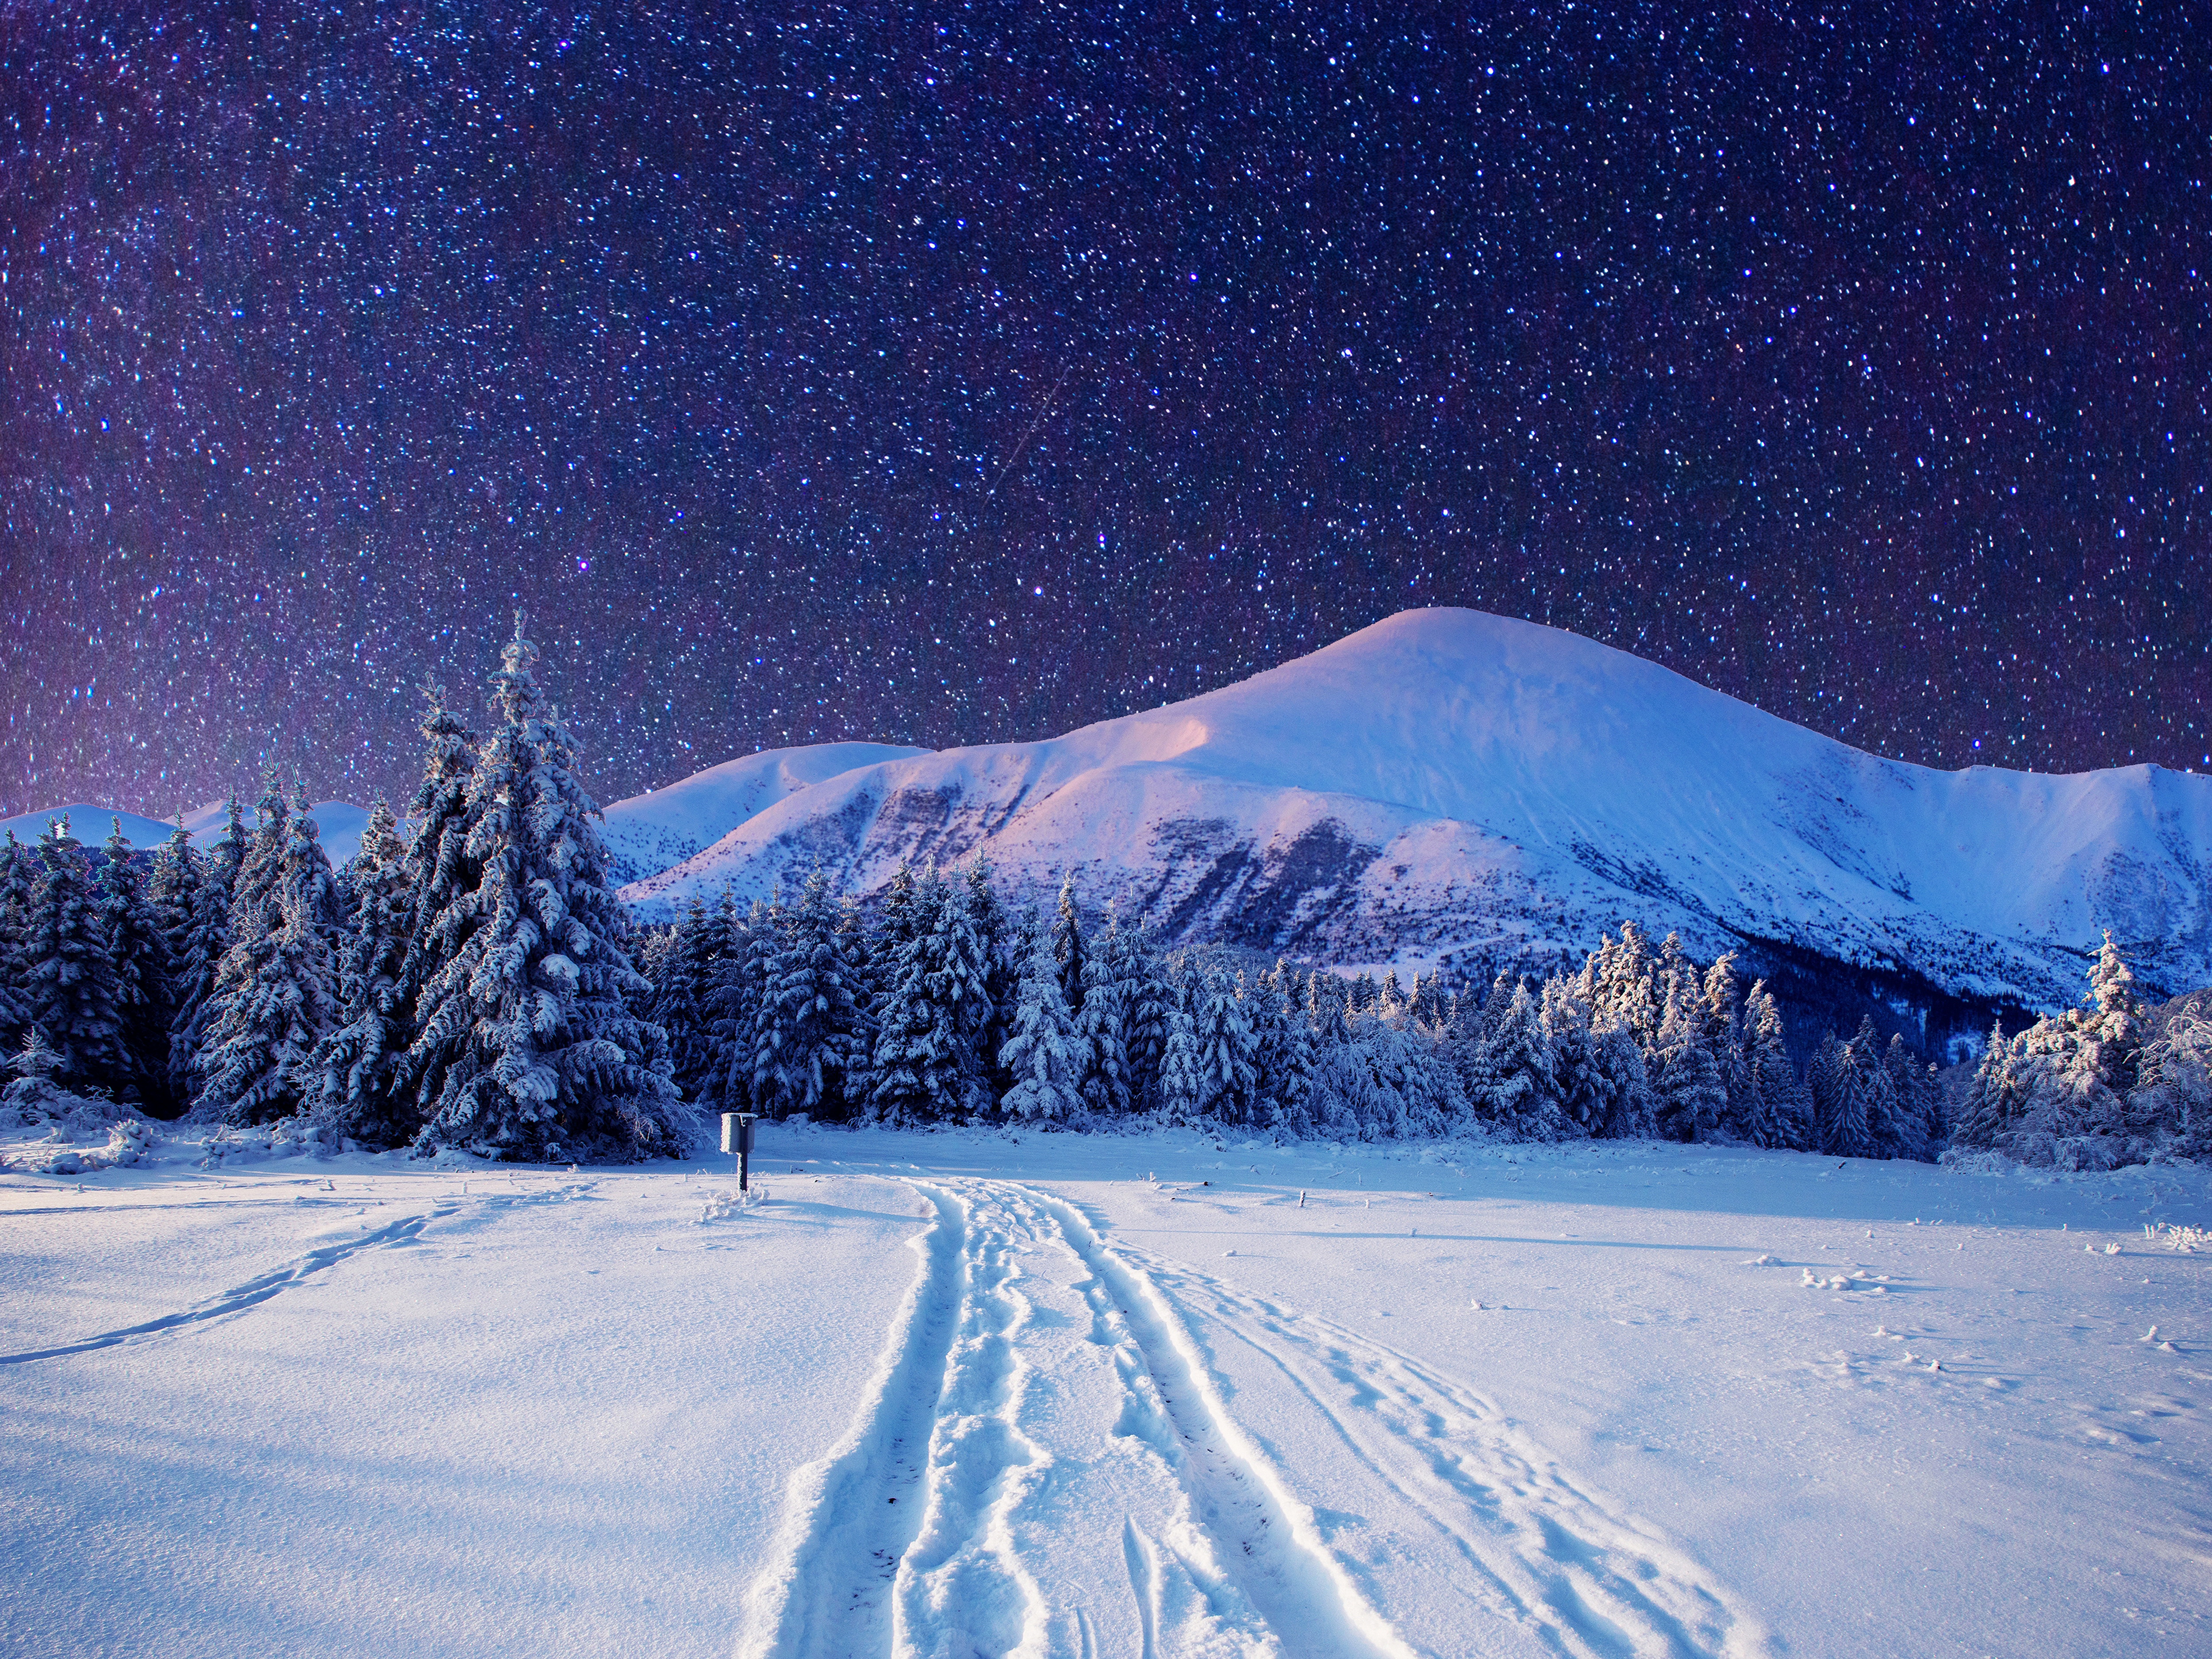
(682, 980)
(925, 1067)
(135, 952)
(1103, 1028)
(362, 1090)
(2169, 1111)
(736, 994)
(1866, 1048)
(1285, 1058)
(207, 941)
(1509, 1076)
(810, 1022)
(1069, 947)
(1226, 1046)
(1993, 1099)
(1692, 1095)
(1912, 1103)
(1720, 1012)
(16, 863)
(1622, 986)
(1851, 1116)
(1776, 1113)
(276, 989)
(1147, 998)
(529, 1044)
(1005, 952)
(173, 890)
(1180, 1089)
(69, 976)
(1044, 1052)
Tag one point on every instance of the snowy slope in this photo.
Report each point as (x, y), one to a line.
(1448, 782)
(647, 834)
(340, 824)
(966, 1394)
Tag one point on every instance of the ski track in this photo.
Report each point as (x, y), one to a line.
(257, 1291)
(966, 1426)
(827, 1592)
(1592, 1580)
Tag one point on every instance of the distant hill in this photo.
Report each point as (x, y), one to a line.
(1451, 786)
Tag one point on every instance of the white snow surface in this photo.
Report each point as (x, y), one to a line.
(1164, 1395)
(647, 834)
(1449, 781)
(338, 824)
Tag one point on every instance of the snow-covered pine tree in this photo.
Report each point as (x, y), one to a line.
(140, 967)
(1721, 1009)
(1911, 1132)
(276, 989)
(1623, 987)
(1511, 1079)
(1069, 948)
(1148, 999)
(1692, 1095)
(529, 1043)
(173, 889)
(1284, 1055)
(810, 1020)
(1005, 952)
(1850, 1119)
(1776, 1112)
(441, 874)
(207, 941)
(1044, 1052)
(922, 1068)
(16, 864)
(1180, 1090)
(1226, 1046)
(2170, 1108)
(1881, 1103)
(735, 994)
(1103, 1028)
(1993, 1099)
(362, 1088)
(69, 976)
(682, 988)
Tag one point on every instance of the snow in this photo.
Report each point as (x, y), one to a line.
(1158, 1393)
(647, 834)
(338, 824)
(1447, 781)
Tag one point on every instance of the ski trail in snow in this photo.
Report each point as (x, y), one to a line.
(1270, 1541)
(1041, 1510)
(961, 1589)
(849, 1518)
(258, 1290)
(1592, 1580)
(1046, 1465)
(253, 1292)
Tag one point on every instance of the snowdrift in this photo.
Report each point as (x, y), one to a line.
(1448, 785)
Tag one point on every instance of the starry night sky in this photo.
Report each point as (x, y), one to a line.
(958, 373)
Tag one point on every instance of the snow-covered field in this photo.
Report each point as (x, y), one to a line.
(964, 1393)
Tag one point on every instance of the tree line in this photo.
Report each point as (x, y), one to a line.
(940, 1006)
(2109, 1083)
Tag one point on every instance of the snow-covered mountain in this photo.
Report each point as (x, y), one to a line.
(338, 824)
(1451, 786)
(649, 833)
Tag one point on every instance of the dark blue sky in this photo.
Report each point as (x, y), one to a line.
(957, 373)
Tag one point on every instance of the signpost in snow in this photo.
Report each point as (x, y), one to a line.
(738, 1137)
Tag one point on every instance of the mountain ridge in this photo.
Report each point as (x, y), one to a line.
(1447, 785)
